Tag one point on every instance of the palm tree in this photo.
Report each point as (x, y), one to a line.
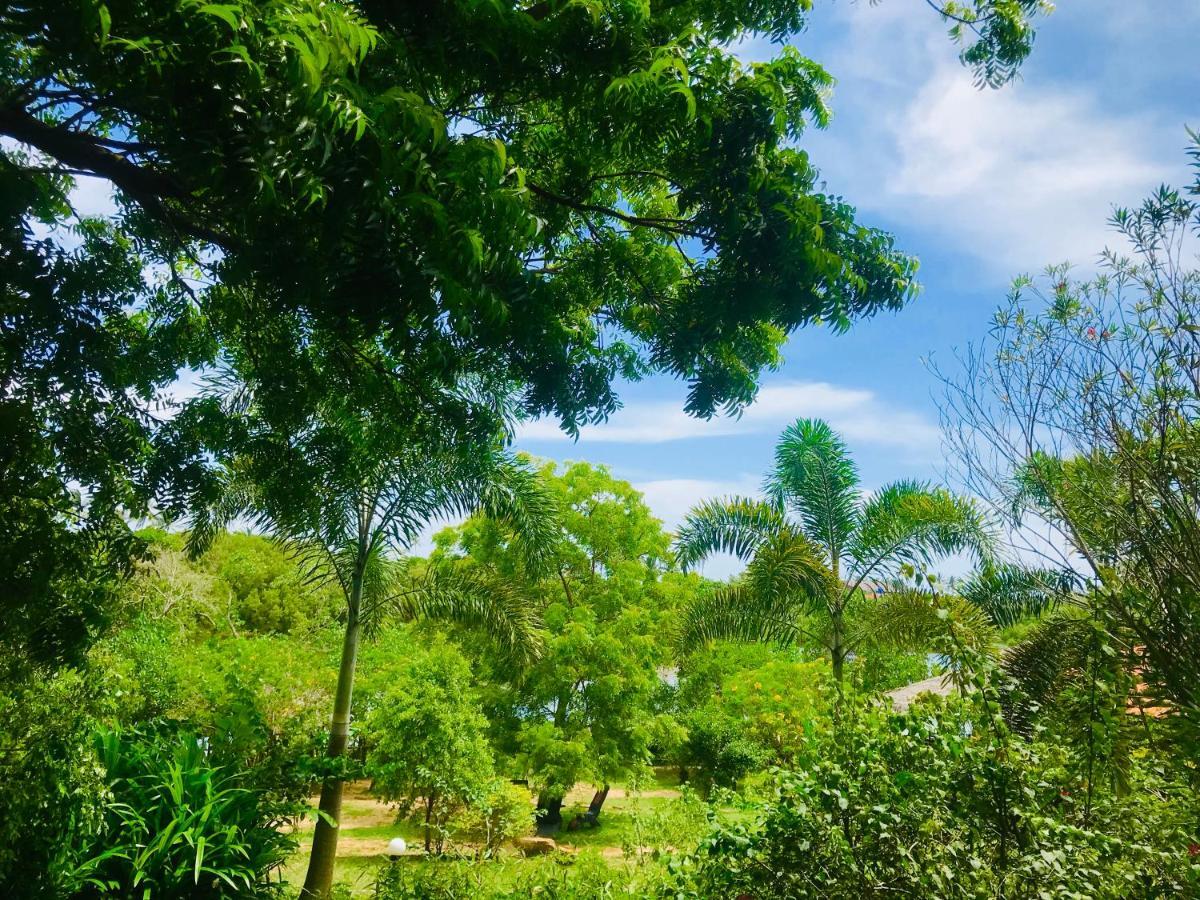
(813, 544)
(350, 495)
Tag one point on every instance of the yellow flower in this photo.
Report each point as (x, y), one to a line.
(778, 697)
(758, 685)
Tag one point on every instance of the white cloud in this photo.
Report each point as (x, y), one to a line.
(672, 498)
(857, 414)
(93, 197)
(1016, 177)
(1023, 176)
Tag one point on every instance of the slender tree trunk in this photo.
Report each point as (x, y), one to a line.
(597, 804)
(837, 650)
(319, 880)
(429, 801)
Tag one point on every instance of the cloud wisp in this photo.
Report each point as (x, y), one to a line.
(859, 415)
(1016, 177)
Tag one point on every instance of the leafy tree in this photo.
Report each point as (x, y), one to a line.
(754, 718)
(585, 710)
(52, 789)
(268, 589)
(550, 194)
(428, 743)
(814, 543)
(348, 490)
(1075, 420)
(78, 373)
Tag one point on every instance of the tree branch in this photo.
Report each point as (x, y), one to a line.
(671, 226)
(147, 188)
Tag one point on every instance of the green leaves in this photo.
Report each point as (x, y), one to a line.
(589, 706)
(172, 820)
(428, 739)
(1009, 593)
(736, 613)
(815, 477)
(997, 35)
(910, 522)
(737, 525)
(803, 579)
(497, 608)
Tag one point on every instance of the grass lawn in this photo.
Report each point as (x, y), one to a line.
(630, 818)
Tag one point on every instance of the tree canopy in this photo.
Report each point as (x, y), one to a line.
(534, 200)
(585, 710)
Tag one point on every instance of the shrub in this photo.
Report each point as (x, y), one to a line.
(882, 669)
(175, 826)
(587, 876)
(758, 717)
(719, 749)
(428, 746)
(504, 811)
(52, 789)
(938, 803)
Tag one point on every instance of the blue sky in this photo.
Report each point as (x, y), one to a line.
(980, 185)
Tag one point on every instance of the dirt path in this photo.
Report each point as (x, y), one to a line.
(902, 697)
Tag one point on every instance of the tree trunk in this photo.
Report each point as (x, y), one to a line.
(319, 880)
(593, 811)
(429, 801)
(837, 651)
(549, 815)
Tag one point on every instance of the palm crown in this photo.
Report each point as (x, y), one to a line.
(814, 542)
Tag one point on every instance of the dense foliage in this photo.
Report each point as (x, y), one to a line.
(342, 250)
(388, 203)
(589, 708)
(937, 803)
(176, 826)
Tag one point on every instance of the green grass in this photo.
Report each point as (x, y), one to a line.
(629, 818)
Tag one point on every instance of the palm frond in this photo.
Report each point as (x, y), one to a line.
(228, 497)
(914, 620)
(737, 525)
(1043, 663)
(516, 496)
(914, 522)
(737, 613)
(815, 476)
(789, 569)
(470, 597)
(1008, 593)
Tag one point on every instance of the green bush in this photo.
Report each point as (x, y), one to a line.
(502, 812)
(174, 826)
(882, 669)
(52, 789)
(757, 717)
(428, 749)
(719, 750)
(586, 876)
(938, 803)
